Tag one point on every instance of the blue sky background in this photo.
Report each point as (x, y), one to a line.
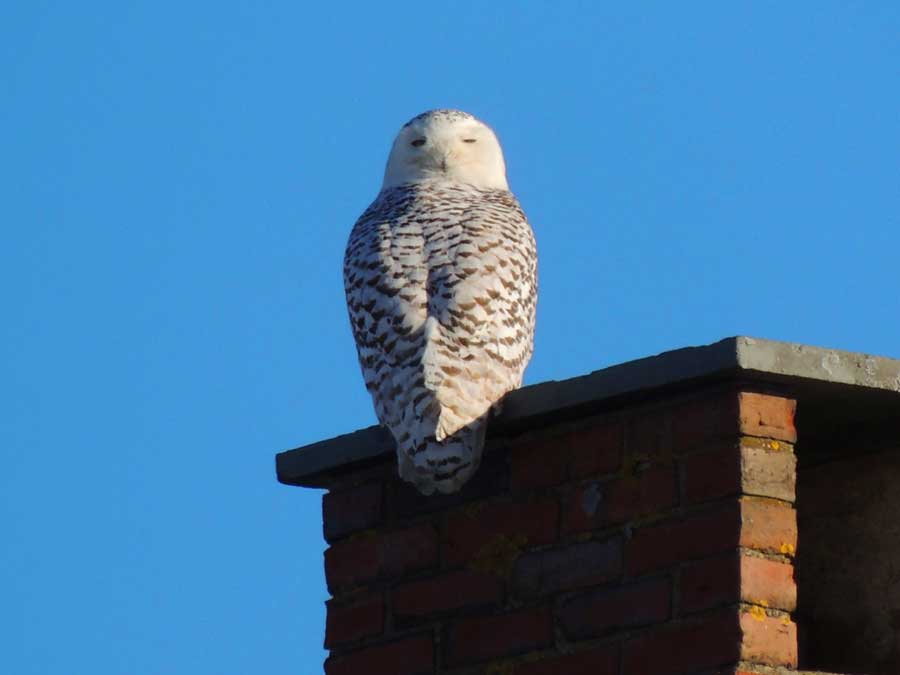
(177, 182)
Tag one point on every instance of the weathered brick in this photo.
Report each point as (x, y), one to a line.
(357, 560)
(768, 525)
(410, 549)
(686, 648)
(351, 562)
(473, 528)
(768, 469)
(596, 613)
(539, 463)
(412, 656)
(768, 640)
(704, 419)
(354, 619)
(597, 450)
(597, 505)
(697, 535)
(488, 637)
(350, 510)
(446, 592)
(768, 582)
(602, 661)
(750, 465)
(713, 474)
(829, 492)
(585, 507)
(646, 493)
(581, 564)
(724, 580)
(710, 583)
(768, 416)
(729, 413)
(648, 434)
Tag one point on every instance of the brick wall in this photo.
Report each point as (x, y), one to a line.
(651, 540)
(849, 570)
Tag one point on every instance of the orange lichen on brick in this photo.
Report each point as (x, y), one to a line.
(500, 668)
(758, 613)
(499, 554)
(767, 524)
(472, 510)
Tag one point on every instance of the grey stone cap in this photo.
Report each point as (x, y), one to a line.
(822, 376)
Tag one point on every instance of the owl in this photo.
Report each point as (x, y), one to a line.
(440, 274)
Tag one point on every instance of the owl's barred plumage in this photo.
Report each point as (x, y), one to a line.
(441, 280)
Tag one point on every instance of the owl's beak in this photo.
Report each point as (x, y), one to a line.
(441, 156)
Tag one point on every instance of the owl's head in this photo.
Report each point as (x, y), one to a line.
(448, 145)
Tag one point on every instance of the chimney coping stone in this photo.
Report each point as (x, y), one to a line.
(824, 381)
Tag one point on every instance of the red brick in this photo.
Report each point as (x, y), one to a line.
(584, 507)
(830, 492)
(686, 648)
(360, 559)
(750, 465)
(359, 618)
(768, 416)
(714, 474)
(768, 640)
(696, 536)
(598, 505)
(603, 661)
(647, 493)
(768, 525)
(710, 583)
(768, 468)
(597, 450)
(350, 510)
(471, 529)
(597, 613)
(489, 637)
(648, 434)
(455, 590)
(582, 564)
(701, 420)
(540, 463)
(769, 582)
(351, 562)
(731, 578)
(753, 522)
(413, 656)
(407, 550)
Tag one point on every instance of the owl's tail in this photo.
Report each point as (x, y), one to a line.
(443, 466)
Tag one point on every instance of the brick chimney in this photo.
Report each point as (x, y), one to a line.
(728, 509)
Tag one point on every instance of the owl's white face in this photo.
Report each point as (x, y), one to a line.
(446, 145)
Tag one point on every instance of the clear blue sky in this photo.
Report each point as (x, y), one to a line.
(177, 182)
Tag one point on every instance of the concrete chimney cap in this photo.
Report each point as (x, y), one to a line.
(824, 381)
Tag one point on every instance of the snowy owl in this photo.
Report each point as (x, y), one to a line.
(440, 274)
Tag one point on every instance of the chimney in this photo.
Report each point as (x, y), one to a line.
(728, 509)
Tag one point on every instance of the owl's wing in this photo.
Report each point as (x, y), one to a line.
(384, 281)
(483, 297)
